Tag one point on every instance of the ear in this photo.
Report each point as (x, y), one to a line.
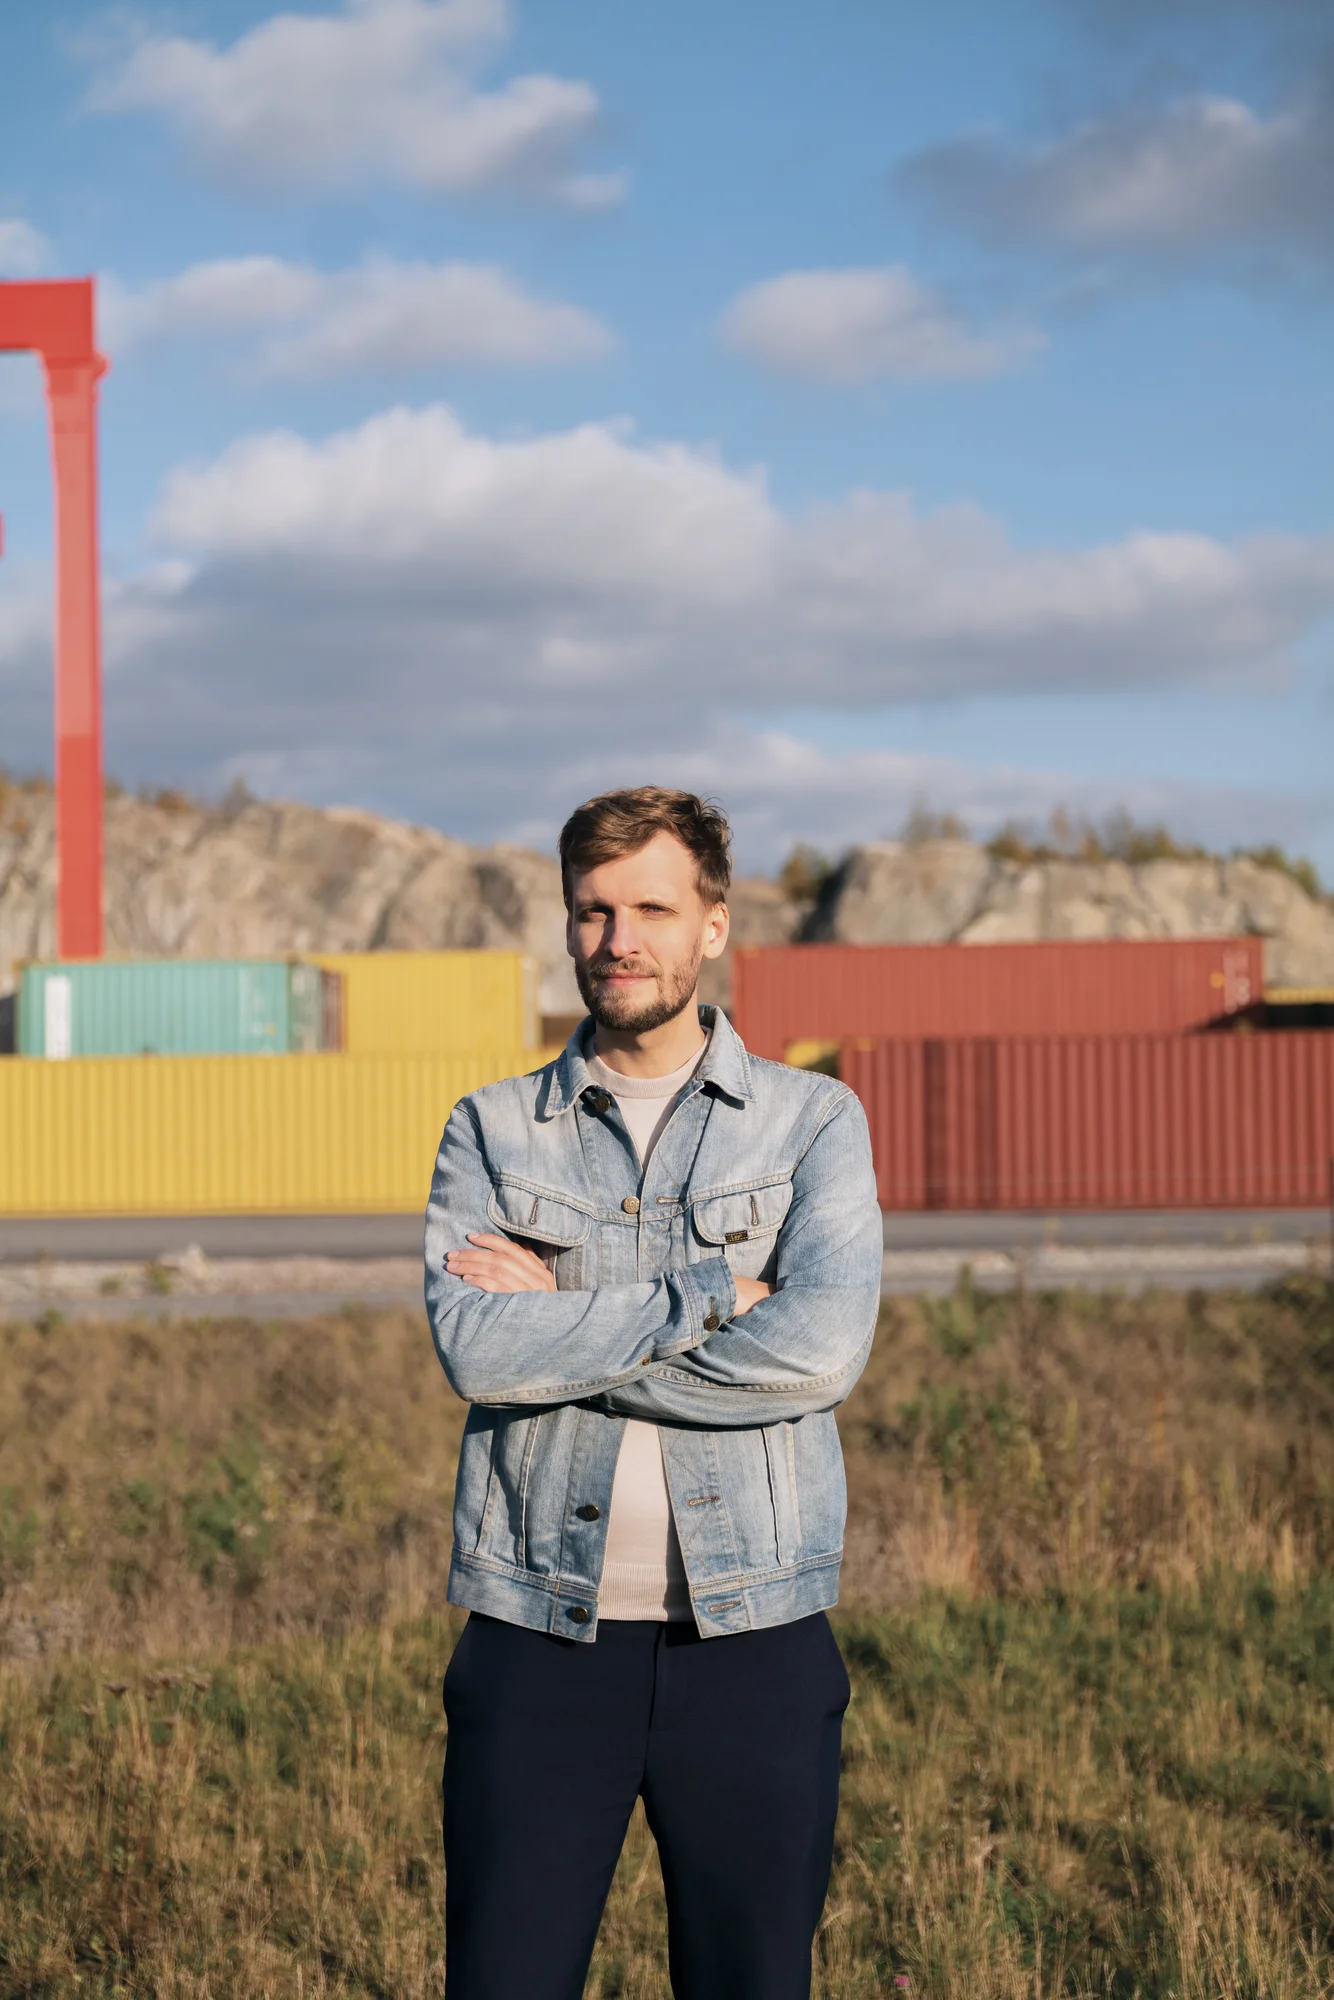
(716, 928)
(569, 930)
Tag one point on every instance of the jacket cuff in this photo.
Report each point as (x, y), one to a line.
(709, 1296)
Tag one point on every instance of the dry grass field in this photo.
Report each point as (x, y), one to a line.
(1089, 1614)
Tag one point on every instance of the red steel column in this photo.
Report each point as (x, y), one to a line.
(54, 318)
(72, 395)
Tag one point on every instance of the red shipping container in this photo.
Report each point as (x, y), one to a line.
(1107, 1122)
(1143, 986)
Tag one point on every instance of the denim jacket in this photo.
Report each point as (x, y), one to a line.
(762, 1172)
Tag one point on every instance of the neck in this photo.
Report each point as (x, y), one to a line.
(656, 1052)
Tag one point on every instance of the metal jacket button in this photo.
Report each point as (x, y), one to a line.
(631, 1204)
(711, 1322)
(600, 1102)
(590, 1513)
(579, 1614)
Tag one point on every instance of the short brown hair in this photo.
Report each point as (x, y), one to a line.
(617, 823)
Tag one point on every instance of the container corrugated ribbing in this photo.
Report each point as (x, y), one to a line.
(171, 1007)
(1105, 1122)
(216, 1135)
(823, 993)
(434, 1002)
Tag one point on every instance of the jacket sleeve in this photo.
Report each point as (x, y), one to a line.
(804, 1348)
(546, 1347)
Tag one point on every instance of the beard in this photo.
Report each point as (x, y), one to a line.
(636, 1013)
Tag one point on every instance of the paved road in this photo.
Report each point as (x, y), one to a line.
(374, 1260)
(1179, 1267)
(137, 1239)
(994, 1231)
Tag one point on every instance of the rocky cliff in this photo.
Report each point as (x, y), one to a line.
(938, 891)
(251, 878)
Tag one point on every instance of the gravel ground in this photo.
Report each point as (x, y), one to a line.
(1129, 1267)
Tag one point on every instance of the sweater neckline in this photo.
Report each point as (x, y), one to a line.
(644, 1086)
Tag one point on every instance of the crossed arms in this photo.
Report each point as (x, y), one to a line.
(506, 1336)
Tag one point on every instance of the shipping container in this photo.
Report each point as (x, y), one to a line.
(217, 1135)
(173, 1007)
(432, 1002)
(1107, 1122)
(821, 993)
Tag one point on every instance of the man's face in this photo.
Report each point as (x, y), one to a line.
(637, 931)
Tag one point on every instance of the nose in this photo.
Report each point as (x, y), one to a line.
(621, 939)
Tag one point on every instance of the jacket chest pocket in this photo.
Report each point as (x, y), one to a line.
(743, 1223)
(546, 1223)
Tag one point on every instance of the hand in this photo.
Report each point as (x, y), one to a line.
(749, 1292)
(497, 1265)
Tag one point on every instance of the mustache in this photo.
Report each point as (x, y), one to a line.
(601, 968)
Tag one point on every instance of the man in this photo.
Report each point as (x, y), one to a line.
(653, 1269)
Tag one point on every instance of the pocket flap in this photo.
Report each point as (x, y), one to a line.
(736, 1218)
(537, 1214)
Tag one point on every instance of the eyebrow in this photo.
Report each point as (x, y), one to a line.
(587, 906)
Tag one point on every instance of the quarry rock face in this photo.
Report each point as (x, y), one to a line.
(253, 879)
(945, 891)
(273, 878)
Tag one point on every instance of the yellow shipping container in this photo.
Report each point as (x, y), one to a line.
(215, 1135)
(401, 1003)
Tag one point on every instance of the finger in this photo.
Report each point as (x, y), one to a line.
(517, 1254)
(508, 1253)
(501, 1273)
(496, 1281)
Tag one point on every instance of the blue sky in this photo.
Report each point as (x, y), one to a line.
(823, 407)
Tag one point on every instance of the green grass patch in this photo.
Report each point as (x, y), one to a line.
(1125, 1793)
(1088, 1612)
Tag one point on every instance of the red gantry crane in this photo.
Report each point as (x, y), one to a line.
(54, 318)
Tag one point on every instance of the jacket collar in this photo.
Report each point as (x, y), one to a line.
(725, 1065)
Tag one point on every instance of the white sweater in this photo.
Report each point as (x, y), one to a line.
(643, 1575)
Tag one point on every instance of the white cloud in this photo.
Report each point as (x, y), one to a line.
(382, 90)
(383, 314)
(228, 295)
(1204, 173)
(23, 250)
(585, 516)
(472, 631)
(779, 789)
(587, 559)
(852, 325)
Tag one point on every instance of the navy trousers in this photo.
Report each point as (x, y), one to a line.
(733, 1744)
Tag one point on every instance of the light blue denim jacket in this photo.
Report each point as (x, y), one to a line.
(761, 1171)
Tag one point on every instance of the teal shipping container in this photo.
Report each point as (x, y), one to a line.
(175, 1007)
